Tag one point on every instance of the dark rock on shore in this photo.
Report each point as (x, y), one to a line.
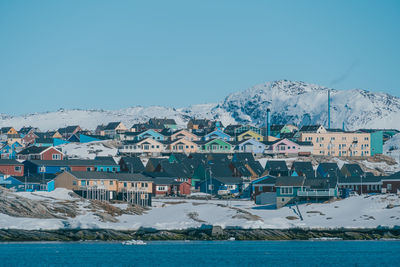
(204, 233)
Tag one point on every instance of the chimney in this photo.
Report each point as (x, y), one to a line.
(268, 123)
(329, 109)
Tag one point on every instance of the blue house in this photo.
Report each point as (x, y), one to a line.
(43, 142)
(251, 146)
(83, 138)
(9, 151)
(150, 134)
(10, 182)
(57, 166)
(59, 141)
(217, 134)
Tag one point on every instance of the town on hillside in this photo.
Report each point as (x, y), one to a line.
(272, 165)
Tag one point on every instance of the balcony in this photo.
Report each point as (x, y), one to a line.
(317, 193)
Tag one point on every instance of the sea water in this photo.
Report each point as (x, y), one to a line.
(203, 253)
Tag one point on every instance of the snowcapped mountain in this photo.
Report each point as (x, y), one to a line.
(290, 102)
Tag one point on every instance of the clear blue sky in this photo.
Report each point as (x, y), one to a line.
(116, 54)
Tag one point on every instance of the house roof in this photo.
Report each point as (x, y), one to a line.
(68, 129)
(309, 128)
(74, 162)
(44, 140)
(241, 167)
(112, 125)
(166, 181)
(256, 167)
(276, 165)
(228, 180)
(243, 157)
(124, 177)
(304, 168)
(32, 150)
(36, 177)
(265, 180)
(9, 162)
(276, 127)
(175, 169)
(134, 164)
(290, 181)
(353, 169)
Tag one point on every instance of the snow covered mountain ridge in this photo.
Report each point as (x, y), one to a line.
(290, 102)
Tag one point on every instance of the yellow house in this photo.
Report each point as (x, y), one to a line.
(249, 135)
(148, 145)
(8, 131)
(338, 143)
(184, 134)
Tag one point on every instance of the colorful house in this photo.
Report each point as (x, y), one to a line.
(57, 166)
(150, 134)
(147, 146)
(169, 186)
(182, 146)
(217, 134)
(283, 146)
(249, 135)
(11, 167)
(40, 153)
(251, 146)
(184, 134)
(9, 151)
(214, 146)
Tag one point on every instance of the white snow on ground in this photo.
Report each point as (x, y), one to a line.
(354, 212)
(392, 147)
(89, 150)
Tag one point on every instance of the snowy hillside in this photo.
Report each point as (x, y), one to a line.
(302, 103)
(290, 102)
(61, 209)
(392, 147)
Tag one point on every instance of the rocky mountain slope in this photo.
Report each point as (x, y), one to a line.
(290, 102)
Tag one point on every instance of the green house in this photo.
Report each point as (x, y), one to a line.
(215, 146)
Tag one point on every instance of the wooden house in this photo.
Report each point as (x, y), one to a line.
(40, 153)
(11, 167)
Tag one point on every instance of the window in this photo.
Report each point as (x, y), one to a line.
(125, 184)
(114, 169)
(17, 168)
(83, 183)
(389, 187)
(42, 169)
(56, 156)
(88, 169)
(74, 182)
(286, 190)
(111, 182)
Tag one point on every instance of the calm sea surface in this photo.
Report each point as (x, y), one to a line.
(213, 253)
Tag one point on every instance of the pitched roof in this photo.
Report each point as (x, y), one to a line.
(309, 128)
(290, 181)
(256, 167)
(32, 150)
(68, 129)
(175, 169)
(304, 168)
(74, 162)
(276, 165)
(228, 180)
(166, 181)
(352, 169)
(124, 177)
(134, 164)
(112, 125)
(9, 162)
(36, 177)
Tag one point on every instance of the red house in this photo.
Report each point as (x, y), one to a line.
(11, 167)
(40, 153)
(167, 186)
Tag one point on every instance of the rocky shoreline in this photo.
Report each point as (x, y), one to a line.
(205, 233)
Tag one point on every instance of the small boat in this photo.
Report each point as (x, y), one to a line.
(231, 239)
(133, 242)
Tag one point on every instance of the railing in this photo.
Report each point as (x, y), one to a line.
(317, 193)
